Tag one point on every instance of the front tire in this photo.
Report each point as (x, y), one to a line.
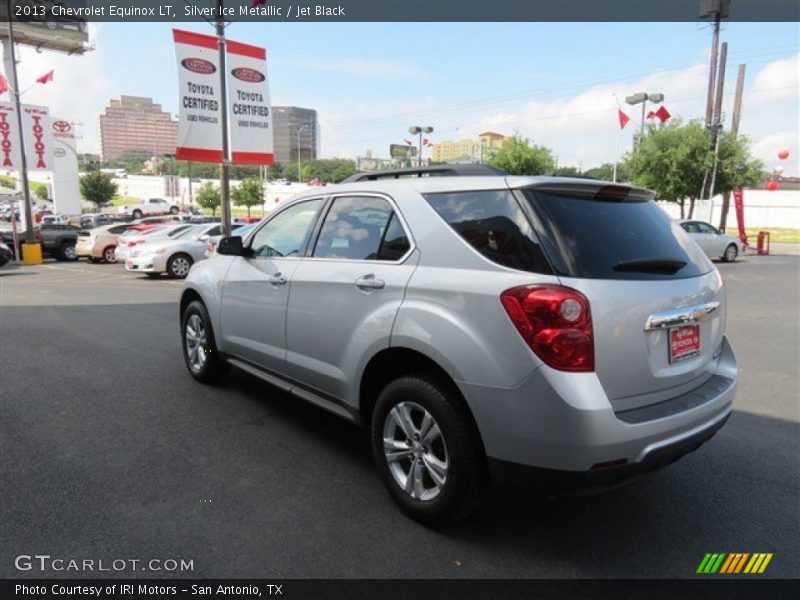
(199, 345)
(173, 210)
(137, 214)
(428, 450)
(178, 265)
(730, 254)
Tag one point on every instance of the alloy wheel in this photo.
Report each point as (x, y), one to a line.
(415, 451)
(195, 335)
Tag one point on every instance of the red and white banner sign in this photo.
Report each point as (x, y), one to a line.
(200, 126)
(250, 107)
(38, 138)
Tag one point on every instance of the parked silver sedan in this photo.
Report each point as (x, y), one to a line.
(712, 241)
(175, 255)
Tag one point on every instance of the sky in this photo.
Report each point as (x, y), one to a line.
(552, 82)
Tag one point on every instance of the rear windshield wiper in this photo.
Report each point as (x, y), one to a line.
(667, 266)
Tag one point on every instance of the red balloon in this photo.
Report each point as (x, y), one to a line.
(783, 154)
(772, 186)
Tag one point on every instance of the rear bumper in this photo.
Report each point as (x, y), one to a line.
(567, 424)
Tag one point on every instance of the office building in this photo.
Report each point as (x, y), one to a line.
(295, 132)
(136, 125)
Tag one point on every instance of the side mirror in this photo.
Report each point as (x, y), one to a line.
(231, 246)
(205, 237)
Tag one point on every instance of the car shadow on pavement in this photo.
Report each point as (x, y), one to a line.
(729, 495)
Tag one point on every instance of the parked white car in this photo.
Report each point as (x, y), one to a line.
(130, 239)
(153, 206)
(712, 241)
(174, 255)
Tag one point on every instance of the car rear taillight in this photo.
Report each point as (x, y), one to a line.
(556, 323)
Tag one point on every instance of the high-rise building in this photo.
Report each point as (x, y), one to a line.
(295, 131)
(136, 125)
(468, 150)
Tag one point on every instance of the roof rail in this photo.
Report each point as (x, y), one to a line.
(465, 170)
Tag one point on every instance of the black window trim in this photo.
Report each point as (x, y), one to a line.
(326, 209)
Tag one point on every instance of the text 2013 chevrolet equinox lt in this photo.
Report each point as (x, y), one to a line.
(475, 322)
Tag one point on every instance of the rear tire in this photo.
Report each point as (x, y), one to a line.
(110, 254)
(66, 252)
(173, 210)
(178, 265)
(137, 214)
(730, 254)
(199, 345)
(428, 450)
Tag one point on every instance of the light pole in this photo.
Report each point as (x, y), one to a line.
(642, 98)
(299, 131)
(417, 130)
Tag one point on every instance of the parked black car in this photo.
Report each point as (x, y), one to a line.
(57, 241)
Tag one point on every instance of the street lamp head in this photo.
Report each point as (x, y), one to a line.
(427, 129)
(655, 98)
(414, 130)
(636, 98)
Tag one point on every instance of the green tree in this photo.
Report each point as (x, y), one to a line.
(249, 193)
(290, 171)
(519, 156)
(605, 172)
(39, 190)
(208, 197)
(567, 172)
(673, 160)
(98, 188)
(736, 169)
(329, 170)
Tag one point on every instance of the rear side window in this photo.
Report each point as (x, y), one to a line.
(361, 228)
(495, 225)
(614, 238)
(118, 229)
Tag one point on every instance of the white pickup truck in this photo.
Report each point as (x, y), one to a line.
(152, 206)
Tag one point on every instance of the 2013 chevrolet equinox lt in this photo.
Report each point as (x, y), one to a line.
(471, 321)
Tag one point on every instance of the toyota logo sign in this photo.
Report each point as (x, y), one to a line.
(62, 126)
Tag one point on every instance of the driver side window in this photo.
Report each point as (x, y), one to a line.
(287, 232)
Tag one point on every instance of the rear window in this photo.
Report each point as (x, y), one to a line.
(613, 238)
(493, 223)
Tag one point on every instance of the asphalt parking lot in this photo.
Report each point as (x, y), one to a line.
(108, 449)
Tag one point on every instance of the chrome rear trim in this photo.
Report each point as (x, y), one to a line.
(680, 316)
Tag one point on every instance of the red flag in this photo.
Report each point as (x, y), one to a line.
(662, 114)
(257, 2)
(623, 119)
(47, 77)
(426, 142)
(407, 142)
(3, 84)
(651, 115)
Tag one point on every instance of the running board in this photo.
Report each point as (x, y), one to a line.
(331, 406)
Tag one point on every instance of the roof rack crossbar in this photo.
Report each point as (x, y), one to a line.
(466, 170)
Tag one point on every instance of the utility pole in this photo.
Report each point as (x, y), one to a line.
(224, 183)
(737, 115)
(26, 190)
(712, 72)
(716, 126)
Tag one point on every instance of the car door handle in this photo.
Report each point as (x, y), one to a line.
(278, 279)
(368, 282)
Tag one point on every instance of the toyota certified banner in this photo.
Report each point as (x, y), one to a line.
(66, 180)
(38, 139)
(250, 108)
(200, 127)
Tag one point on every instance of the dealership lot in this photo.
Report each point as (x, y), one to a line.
(108, 450)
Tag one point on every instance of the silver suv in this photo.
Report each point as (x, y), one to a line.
(476, 324)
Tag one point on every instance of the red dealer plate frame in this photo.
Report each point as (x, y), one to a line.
(684, 342)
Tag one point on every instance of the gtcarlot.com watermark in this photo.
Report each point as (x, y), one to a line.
(47, 564)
